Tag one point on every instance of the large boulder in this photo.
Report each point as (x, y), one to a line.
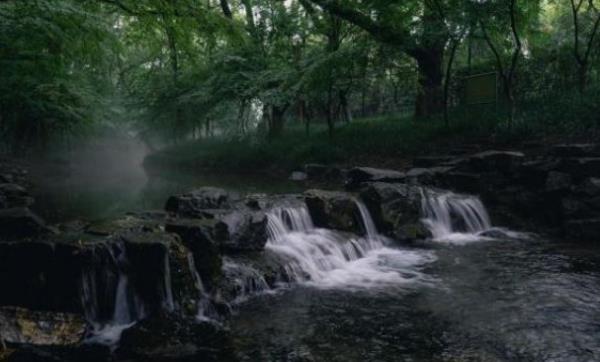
(76, 275)
(20, 222)
(334, 210)
(193, 203)
(202, 238)
(359, 175)
(171, 339)
(246, 231)
(42, 275)
(395, 209)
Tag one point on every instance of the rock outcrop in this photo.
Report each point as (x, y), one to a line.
(396, 210)
(334, 210)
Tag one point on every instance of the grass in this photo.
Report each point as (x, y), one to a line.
(371, 141)
(390, 141)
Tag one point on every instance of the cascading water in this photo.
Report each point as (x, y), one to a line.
(326, 258)
(246, 280)
(459, 219)
(206, 310)
(128, 307)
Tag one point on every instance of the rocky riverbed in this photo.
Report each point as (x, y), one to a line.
(166, 285)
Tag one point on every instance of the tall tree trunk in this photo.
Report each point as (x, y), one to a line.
(454, 44)
(429, 95)
(276, 121)
(346, 111)
(226, 9)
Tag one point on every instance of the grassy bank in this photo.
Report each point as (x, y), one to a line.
(377, 142)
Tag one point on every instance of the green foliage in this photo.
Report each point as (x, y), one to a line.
(176, 71)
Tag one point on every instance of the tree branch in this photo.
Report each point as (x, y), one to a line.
(382, 32)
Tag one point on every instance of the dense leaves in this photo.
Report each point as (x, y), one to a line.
(176, 70)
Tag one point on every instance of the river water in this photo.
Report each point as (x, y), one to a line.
(494, 300)
(464, 295)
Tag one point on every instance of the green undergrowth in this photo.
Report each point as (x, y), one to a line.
(387, 140)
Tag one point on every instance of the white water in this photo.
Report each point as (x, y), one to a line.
(329, 259)
(247, 280)
(128, 307)
(206, 310)
(459, 219)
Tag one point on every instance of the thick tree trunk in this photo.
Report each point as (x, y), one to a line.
(582, 76)
(276, 121)
(430, 98)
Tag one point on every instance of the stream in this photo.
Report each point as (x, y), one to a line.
(476, 294)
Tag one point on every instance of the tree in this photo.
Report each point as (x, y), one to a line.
(582, 54)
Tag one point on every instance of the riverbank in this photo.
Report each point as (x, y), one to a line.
(389, 142)
(179, 284)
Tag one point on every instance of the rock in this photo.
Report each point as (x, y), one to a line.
(575, 150)
(318, 172)
(574, 208)
(82, 352)
(581, 168)
(6, 178)
(427, 176)
(23, 326)
(431, 161)
(395, 209)
(193, 203)
(558, 181)
(298, 176)
(583, 230)
(505, 162)
(201, 237)
(150, 262)
(50, 275)
(15, 195)
(589, 187)
(359, 175)
(462, 182)
(533, 174)
(171, 339)
(247, 231)
(334, 210)
(20, 222)
(42, 275)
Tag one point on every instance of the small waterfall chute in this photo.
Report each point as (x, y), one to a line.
(459, 219)
(326, 258)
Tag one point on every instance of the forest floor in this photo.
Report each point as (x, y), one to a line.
(384, 143)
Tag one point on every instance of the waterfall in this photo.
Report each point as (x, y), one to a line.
(455, 218)
(169, 302)
(205, 308)
(326, 258)
(127, 307)
(247, 281)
